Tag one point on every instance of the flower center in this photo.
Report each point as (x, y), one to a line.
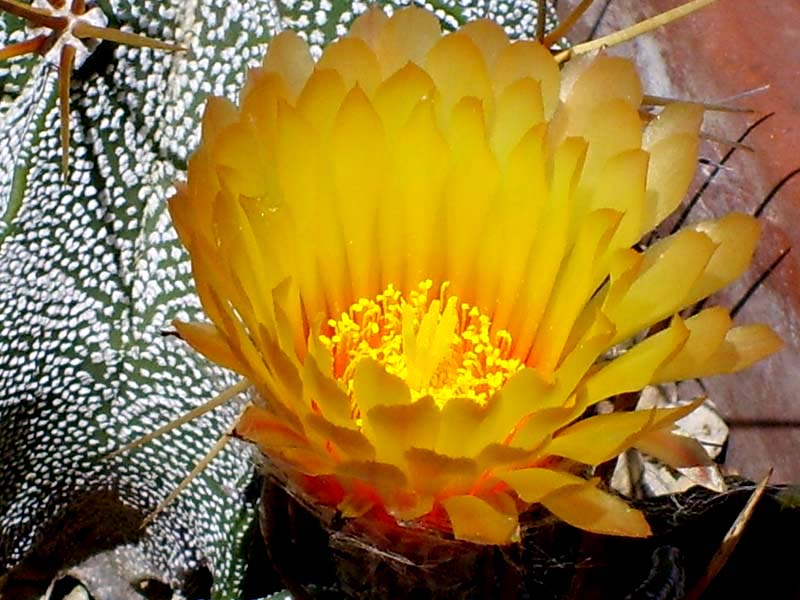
(440, 347)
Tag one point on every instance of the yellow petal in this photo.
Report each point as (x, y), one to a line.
(584, 354)
(475, 520)
(206, 339)
(679, 117)
(398, 95)
(368, 26)
(514, 223)
(742, 347)
(396, 428)
(637, 367)
(412, 246)
(532, 485)
(488, 36)
(673, 162)
(347, 444)
(591, 509)
(707, 331)
(191, 207)
(409, 506)
(385, 479)
(537, 430)
(288, 55)
(358, 162)
(461, 417)
(578, 502)
(519, 107)
(550, 246)
(670, 269)
(621, 187)
(736, 235)
(672, 449)
(242, 254)
(323, 391)
(601, 80)
(321, 267)
(268, 431)
(600, 438)
(473, 185)
(609, 129)
(576, 283)
(219, 114)
(457, 68)
(523, 59)
(321, 98)
(407, 36)
(524, 393)
(436, 475)
(500, 457)
(259, 103)
(240, 161)
(353, 59)
(373, 386)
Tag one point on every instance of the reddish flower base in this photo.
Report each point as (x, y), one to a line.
(317, 550)
(318, 554)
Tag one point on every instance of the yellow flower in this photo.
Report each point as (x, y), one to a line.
(420, 249)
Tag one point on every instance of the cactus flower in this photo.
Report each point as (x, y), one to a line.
(419, 250)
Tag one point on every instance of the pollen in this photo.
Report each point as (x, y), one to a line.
(439, 346)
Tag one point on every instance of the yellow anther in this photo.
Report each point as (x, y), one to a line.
(441, 347)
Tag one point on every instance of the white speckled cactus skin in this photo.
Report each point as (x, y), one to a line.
(91, 272)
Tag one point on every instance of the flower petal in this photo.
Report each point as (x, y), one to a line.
(675, 450)
(488, 36)
(736, 235)
(373, 386)
(368, 26)
(550, 246)
(353, 59)
(477, 521)
(532, 485)
(591, 509)
(394, 429)
(600, 438)
(457, 68)
(433, 474)
(288, 55)
(408, 36)
(267, 430)
(637, 367)
(523, 59)
(343, 443)
(576, 283)
(519, 107)
(398, 95)
(670, 269)
(673, 162)
(358, 163)
(207, 340)
(324, 393)
(707, 331)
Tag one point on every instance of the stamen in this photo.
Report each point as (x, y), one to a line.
(441, 347)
